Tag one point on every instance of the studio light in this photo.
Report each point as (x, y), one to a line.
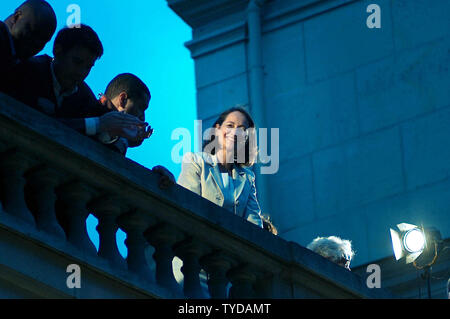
(414, 240)
(409, 241)
(418, 245)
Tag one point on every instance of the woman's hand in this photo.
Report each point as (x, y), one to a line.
(166, 178)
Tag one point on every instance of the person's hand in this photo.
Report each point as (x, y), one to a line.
(166, 178)
(139, 135)
(121, 145)
(121, 124)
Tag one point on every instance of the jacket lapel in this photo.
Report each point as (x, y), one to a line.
(240, 179)
(241, 187)
(214, 171)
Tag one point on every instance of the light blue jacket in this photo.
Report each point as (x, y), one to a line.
(200, 174)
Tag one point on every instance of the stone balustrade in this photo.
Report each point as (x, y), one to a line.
(52, 178)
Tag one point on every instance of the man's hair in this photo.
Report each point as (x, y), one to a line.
(34, 2)
(40, 4)
(332, 247)
(44, 11)
(82, 36)
(129, 83)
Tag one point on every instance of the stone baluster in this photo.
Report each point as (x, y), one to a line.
(3, 148)
(42, 182)
(242, 279)
(134, 223)
(72, 213)
(162, 237)
(217, 265)
(14, 165)
(190, 252)
(264, 286)
(107, 208)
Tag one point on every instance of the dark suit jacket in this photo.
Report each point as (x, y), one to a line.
(33, 85)
(7, 54)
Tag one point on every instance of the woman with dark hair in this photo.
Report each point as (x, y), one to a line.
(222, 172)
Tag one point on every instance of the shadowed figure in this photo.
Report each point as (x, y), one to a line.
(31, 26)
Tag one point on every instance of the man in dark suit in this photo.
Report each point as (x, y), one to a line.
(127, 93)
(56, 86)
(25, 32)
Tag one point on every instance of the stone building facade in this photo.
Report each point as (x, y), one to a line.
(360, 95)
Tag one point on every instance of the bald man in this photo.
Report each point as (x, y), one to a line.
(25, 32)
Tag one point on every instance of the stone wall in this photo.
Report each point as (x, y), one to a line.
(363, 113)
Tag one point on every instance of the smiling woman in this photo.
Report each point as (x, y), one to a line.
(221, 173)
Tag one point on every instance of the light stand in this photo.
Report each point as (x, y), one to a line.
(434, 237)
(426, 275)
(418, 245)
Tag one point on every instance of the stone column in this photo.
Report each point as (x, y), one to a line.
(242, 279)
(264, 284)
(3, 149)
(134, 223)
(43, 181)
(73, 197)
(107, 208)
(190, 252)
(12, 182)
(217, 265)
(162, 237)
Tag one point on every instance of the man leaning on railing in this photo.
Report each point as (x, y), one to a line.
(56, 87)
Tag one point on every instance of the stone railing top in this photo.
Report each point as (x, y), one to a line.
(108, 172)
